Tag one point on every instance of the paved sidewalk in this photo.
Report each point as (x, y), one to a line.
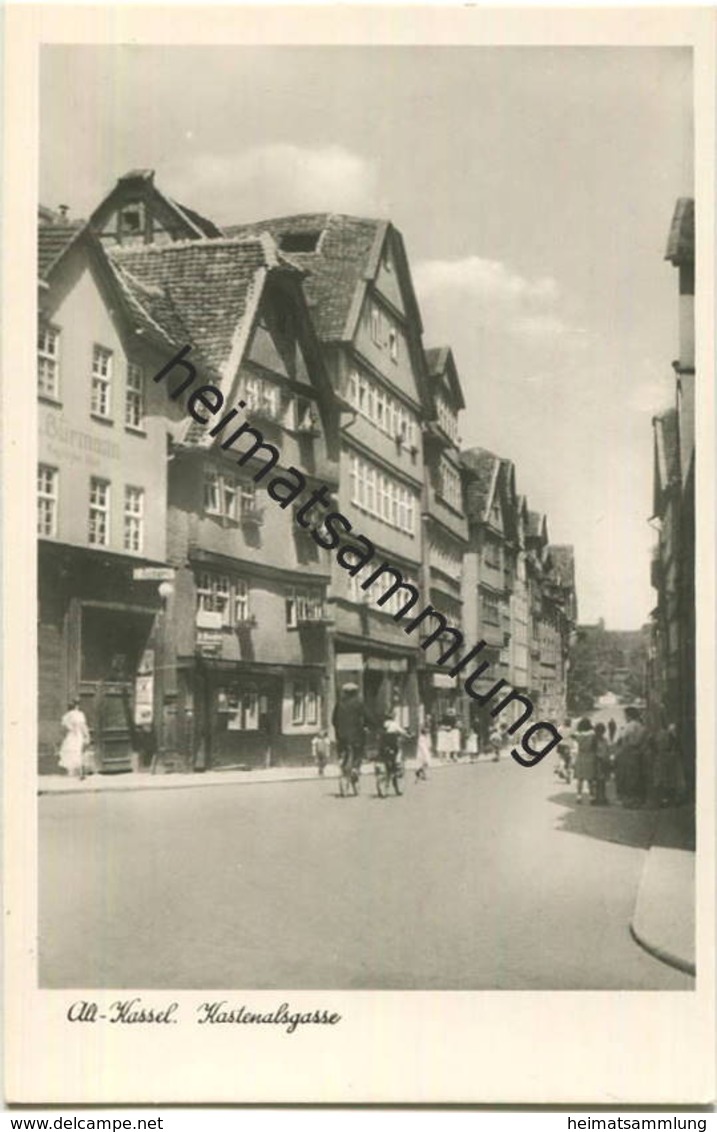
(664, 918)
(163, 780)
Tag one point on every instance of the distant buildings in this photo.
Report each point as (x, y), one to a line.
(193, 616)
(672, 659)
(607, 662)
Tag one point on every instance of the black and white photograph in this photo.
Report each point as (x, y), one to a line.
(367, 409)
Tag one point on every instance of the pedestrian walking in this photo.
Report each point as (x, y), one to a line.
(601, 770)
(630, 760)
(585, 757)
(424, 753)
(496, 743)
(320, 750)
(472, 743)
(349, 723)
(563, 768)
(444, 740)
(76, 738)
(612, 730)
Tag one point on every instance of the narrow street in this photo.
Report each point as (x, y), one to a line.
(488, 876)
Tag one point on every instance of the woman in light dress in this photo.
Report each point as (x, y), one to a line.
(76, 738)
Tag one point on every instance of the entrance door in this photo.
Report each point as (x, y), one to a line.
(112, 644)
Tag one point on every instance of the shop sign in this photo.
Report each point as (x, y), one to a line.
(381, 664)
(443, 680)
(209, 619)
(153, 574)
(143, 700)
(349, 661)
(209, 642)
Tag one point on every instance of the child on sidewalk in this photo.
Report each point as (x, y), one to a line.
(423, 753)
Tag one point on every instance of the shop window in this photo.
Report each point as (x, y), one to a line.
(99, 526)
(133, 519)
(305, 704)
(240, 708)
(134, 397)
(47, 494)
(101, 402)
(48, 361)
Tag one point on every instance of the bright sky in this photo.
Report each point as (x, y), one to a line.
(534, 188)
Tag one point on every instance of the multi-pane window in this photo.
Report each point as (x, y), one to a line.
(305, 703)
(491, 612)
(381, 495)
(376, 324)
(214, 595)
(99, 528)
(301, 415)
(248, 499)
(218, 593)
(385, 582)
(448, 560)
(447, 419)
(221, 494)
(262, 396)
(134, 396)
(377, 405)
(133, 518)
(240, 706)
(303, 605)
(47, 480)
(450, 485)
(393, 343)
(48, 361)
(101, 381)
(241, 602)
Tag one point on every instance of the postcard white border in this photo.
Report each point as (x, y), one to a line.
(409, 1047)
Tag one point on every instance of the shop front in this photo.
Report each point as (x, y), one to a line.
(255, 715)
(97, 638)
(387, 682)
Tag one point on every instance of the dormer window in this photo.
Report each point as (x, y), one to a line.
(300, 241)
(131, 221)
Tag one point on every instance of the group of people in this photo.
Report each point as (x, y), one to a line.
(643, 762)
(352, 726)
(447, 738)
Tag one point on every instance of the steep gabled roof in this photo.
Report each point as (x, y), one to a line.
(206, 293)
(480, 469)
(537, 526)
(563, 565)
(139, 184)
(53, 240)
(681, 240)
(667, 456)
(339, 264)
(441, 363)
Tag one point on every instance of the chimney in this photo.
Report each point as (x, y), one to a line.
(63, 209)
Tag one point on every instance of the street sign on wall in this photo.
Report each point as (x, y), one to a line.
(153, 574)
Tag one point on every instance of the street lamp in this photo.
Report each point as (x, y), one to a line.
(165, 591)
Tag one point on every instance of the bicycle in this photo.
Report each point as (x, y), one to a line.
(389, 772)
(349, 776)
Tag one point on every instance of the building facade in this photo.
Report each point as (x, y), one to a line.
(101, 495)
(672, 676)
